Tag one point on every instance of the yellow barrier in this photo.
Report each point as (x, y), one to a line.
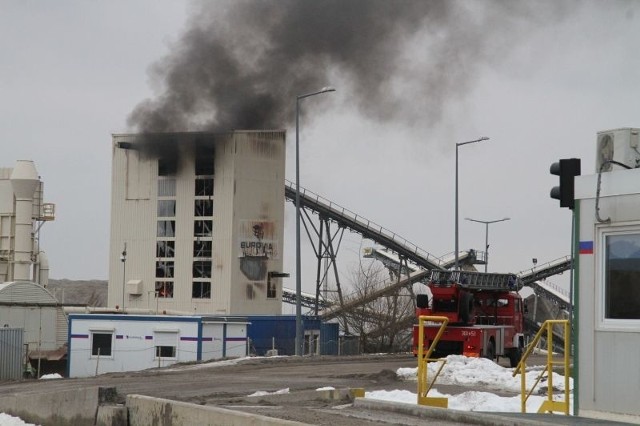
(424, 358)
(548, 406)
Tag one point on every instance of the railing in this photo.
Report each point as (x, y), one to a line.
(549, 405)
(423, 360)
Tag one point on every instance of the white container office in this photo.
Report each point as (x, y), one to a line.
(104, 343)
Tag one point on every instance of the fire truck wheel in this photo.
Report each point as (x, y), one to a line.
(490, 353)
(514, 357)
(466, 307)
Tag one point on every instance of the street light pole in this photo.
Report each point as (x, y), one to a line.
(486, 236)
(299, 347)
(457, 249)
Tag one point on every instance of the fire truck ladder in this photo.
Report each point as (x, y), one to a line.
(477, 280)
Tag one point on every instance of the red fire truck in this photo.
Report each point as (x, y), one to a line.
(484, 310)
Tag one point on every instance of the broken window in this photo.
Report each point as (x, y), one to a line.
(203, 208)
(203, 228)
(201, 290)
(202, 248)
(201, 269)
(164, 289)
(167, 166)
(164, 269)
(204, 187)
(205, 157)
(165, 248)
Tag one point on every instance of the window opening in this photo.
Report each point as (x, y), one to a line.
(622, 276)
(164, 289)
(203, 208)
(166, 187)
(166, 228)
(165, 248)
(202, 248)
(101, 343)
(164, 269)
(201, 290)
(166, 208)
(201, 269)
(204, 187)
(203, 228)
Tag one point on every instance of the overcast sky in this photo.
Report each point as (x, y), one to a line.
(539, 80)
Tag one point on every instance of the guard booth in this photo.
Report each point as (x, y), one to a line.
(607, 274)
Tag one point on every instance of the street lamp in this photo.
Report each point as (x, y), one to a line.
(486, 236)
(299, 332)
(458, 144)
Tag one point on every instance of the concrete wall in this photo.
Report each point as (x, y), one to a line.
(75, 407)
(145, 410)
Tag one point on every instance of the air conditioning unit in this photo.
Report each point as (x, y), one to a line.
(619, 145)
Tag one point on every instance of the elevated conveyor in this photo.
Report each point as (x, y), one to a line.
(368, 229)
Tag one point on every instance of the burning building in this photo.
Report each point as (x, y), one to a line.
(197, 222)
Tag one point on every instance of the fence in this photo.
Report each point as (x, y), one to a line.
(11, 353)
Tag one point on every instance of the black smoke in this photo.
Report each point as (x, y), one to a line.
(241, 64)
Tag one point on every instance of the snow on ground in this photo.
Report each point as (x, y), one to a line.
(7, 420)
(465, 371)
(49, 377)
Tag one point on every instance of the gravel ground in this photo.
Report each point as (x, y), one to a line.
(229, 386)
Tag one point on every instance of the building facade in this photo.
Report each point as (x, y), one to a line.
(197, 222)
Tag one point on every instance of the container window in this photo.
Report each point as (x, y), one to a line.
(622, 277)
(101, 343)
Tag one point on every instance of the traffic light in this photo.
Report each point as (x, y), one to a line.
(567, 169)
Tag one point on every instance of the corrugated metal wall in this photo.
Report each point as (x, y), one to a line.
(11, 353)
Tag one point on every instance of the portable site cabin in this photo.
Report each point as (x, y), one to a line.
(31, 307)
(103, 343)
(607, 269)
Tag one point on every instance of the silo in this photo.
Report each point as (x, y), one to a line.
(24, 180)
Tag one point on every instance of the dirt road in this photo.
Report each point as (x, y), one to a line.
(229, 385)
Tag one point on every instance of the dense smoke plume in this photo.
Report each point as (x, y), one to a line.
(240, 64)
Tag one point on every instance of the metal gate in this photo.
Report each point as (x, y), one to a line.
(11, 353)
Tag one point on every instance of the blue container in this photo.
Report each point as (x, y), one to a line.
(278, 332)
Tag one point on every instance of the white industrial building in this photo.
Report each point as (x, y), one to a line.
(104, 343)
(197, 222)
(25, 303)
(22, 213)
(607, 272)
